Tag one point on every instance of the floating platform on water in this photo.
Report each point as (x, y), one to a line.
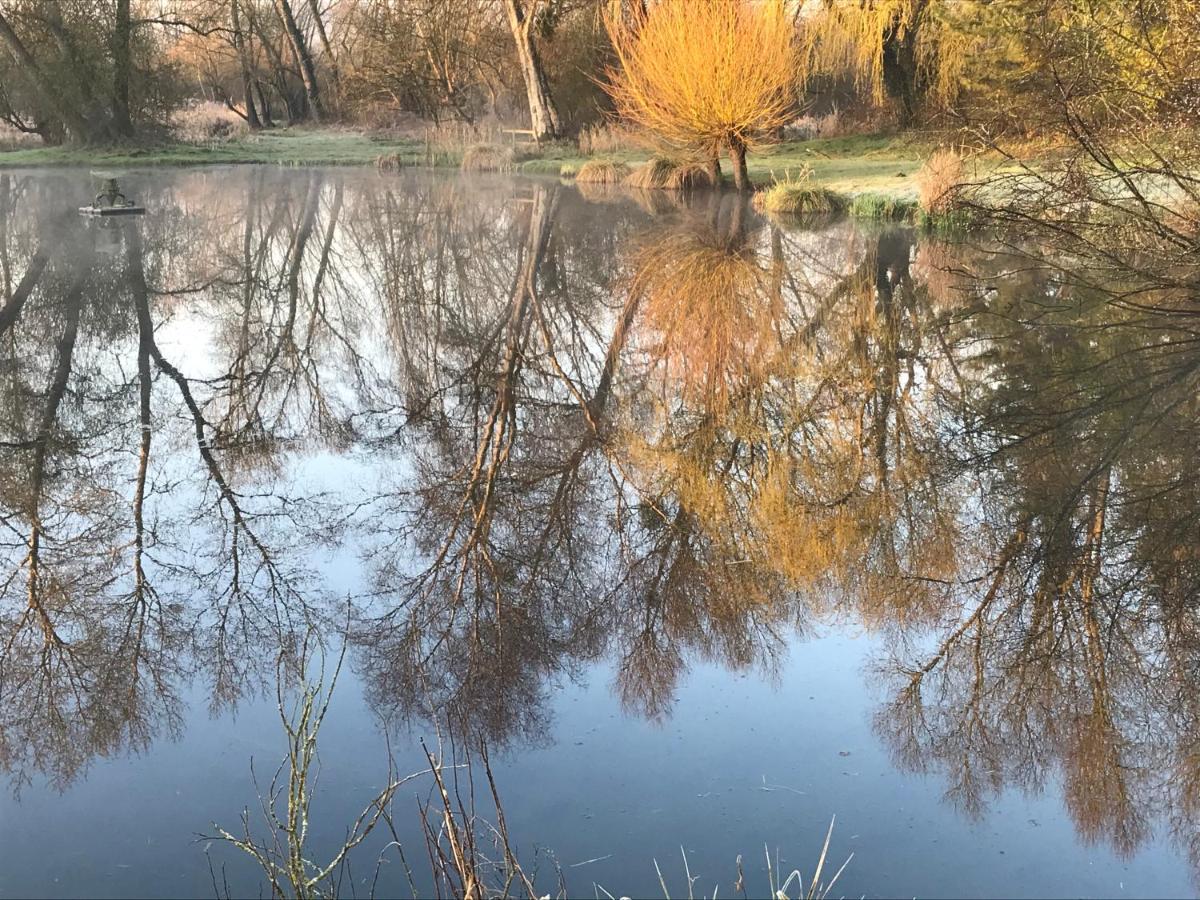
(130, 210)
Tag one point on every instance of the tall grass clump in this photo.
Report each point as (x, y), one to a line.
(605, 137)
(705, 76)
(15, 139)
(665, 174)
(790, 888)
(796, 195)
(488, 158)
(602, 171)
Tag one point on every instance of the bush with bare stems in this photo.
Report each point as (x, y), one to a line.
(705, 76)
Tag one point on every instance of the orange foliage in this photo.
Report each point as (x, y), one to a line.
(705, 75)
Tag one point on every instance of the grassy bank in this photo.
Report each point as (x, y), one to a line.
(878, 165)
(285, 147)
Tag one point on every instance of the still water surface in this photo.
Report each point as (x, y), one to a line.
(712, 529)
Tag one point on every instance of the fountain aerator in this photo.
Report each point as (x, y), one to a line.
(110, 201)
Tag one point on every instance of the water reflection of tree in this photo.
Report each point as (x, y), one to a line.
(811, 452)
(98, 561)
(1073, 656)
(71, 667)
(575, 509)
(499, 506)
(651, 443)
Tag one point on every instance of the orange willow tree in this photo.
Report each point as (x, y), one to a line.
(705, 76)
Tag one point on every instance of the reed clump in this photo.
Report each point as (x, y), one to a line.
(602, 171)
(664, 173)
(940, 183)
(797, 195)
(390, 162)
(488, 158)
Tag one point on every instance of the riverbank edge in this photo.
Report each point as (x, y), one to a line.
(869, 163)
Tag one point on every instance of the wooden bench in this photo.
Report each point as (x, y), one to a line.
(513, 132)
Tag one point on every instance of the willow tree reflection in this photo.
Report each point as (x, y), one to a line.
(810, 450)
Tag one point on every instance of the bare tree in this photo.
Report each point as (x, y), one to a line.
(543, 114)
(304, 59)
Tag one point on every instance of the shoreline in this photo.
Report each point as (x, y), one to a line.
(871, 164)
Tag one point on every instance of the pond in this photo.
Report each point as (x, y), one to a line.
(708, 528)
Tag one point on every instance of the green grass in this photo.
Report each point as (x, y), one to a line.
(849, 165)
(289, 146)
(882, 207)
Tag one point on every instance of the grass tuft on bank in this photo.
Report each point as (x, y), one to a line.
(799, 197)
(602, 171)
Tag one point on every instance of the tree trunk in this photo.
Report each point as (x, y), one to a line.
(714, 170)
(71, 118)
(308, 71)
(122, 32)
(323, 35)
(264, 105)
(543, 114)
(737, 155)
(239, 45)
(901, 74)
(279, 77)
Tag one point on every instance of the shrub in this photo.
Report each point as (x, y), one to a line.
(602, 171)
(663, 173)
(488, 158)
(940, 183)
(206, 123)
